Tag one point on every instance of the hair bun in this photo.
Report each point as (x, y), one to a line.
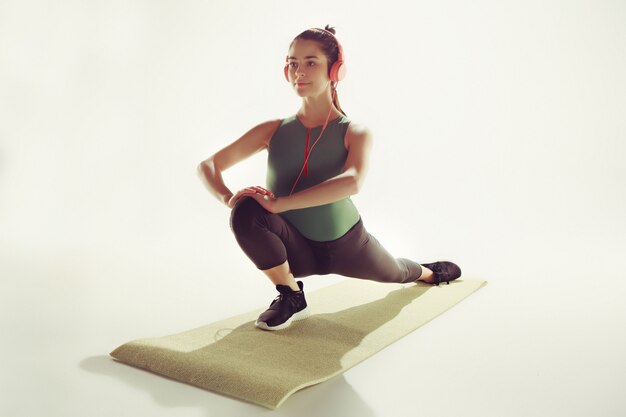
(330, 29)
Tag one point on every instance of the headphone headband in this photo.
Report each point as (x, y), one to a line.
(339, 47)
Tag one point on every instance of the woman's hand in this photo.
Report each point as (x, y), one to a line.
(264, 197)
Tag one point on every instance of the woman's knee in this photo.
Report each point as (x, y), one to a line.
(244, 216)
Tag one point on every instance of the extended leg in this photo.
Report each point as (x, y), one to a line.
(427, 275)
(372, 261)
(358, 254)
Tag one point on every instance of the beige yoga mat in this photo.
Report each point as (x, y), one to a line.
(350, 321)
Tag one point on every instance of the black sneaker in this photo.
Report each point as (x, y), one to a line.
(288, 306)
(444, 271)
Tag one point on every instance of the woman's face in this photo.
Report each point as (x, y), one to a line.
(308, 68)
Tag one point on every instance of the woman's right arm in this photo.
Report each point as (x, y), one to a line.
(253, 141)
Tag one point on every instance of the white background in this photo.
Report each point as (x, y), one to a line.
(499, 131)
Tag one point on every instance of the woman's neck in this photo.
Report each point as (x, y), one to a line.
(316, 113)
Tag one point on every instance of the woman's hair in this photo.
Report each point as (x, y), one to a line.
(328, 44)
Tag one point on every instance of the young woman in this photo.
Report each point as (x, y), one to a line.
(304, 222)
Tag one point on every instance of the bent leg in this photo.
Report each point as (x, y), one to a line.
(358, 254)
(281, 275)
(272, 244)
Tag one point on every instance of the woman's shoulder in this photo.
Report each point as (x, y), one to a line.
(357, 131)
(357, 127)
(274, 124)
(262, 132)
(271, 122)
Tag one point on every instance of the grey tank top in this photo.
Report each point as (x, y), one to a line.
(285, 158)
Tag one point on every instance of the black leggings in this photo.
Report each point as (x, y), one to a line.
(269, 240)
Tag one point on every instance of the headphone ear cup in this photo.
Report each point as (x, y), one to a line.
(338, 71)
(287, 67)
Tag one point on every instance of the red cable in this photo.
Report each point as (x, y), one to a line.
(305, 165)
(307, 152)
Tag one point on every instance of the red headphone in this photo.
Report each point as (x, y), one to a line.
(337, 70)
(337, 73)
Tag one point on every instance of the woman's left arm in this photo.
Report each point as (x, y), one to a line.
(358, 142)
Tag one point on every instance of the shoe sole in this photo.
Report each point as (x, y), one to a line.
(302, 314)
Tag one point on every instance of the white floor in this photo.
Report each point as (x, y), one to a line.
(106, 235)
(545, 337)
